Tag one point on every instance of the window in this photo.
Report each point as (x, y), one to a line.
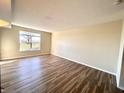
(29, 41)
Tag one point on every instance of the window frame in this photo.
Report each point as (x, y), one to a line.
(30, 49)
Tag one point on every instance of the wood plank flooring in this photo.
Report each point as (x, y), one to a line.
(51, 74)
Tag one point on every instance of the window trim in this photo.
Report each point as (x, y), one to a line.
(31, 49)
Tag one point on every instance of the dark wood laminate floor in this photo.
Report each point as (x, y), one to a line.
(51, 74)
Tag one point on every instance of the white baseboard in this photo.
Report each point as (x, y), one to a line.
(28, 56)
(87, 65)
(120, 87)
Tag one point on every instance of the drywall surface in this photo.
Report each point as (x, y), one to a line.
(121, 84)
(5, 10)
(0, 43)
(10, 43)
(120, 70)
(96, 46)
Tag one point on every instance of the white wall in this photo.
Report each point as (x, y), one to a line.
(121, 85)
(5, 10)
(96, 46)
(10, 43)
(120, 70)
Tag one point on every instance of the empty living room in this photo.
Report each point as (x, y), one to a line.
(61, 46)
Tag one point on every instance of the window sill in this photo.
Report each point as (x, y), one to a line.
(29, 50)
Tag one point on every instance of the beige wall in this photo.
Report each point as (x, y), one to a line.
(10, 43)
(96, 46)
(0, 42)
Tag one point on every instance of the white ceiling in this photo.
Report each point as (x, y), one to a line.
(5, 10)
(57, 15)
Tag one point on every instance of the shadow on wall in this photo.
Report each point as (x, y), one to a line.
(122, 72)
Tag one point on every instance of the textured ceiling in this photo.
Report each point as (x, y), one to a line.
(57, 15)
